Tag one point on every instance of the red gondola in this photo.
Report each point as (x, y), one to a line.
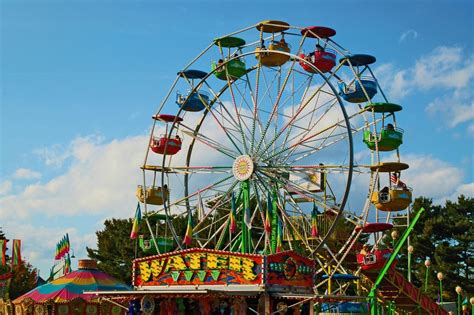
(163, 144)
(374, 260)
(324, 60)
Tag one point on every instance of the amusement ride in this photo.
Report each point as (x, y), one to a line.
(252, 155)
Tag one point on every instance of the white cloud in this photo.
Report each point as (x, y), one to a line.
(433, 178)
(408, 34)
(465, 189)
(445, 67)
(53, 156)
(5, 187)
(101, 177)
(456, 108)
(25, 173)
(449, 71)
(470, 128)
(39, 242)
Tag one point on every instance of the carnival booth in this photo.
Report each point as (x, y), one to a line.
(205, 281)
(65, 295)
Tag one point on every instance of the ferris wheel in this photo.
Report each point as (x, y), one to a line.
(253, 145)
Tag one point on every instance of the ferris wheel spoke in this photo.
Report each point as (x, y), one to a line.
(242, 133)
(241, 112)
(303, 193)
(311, 125)
(321, 143)
(307, 86)
(221, 200)
(199, 169)
(292, 120)
(184, 201)
(312, 148)
(221, 126)
(212, 144)
(255, 102)
(275, 106)
(305, 137)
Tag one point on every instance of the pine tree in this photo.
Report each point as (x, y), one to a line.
(445, 234)
(23, 276)
(115, 250)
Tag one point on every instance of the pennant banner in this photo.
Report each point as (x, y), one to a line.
(16, 253)
(233, 223)
(268, 214)
(188, 237)
(62, 247)
(3, 249)
(314, 221)
(136, 223)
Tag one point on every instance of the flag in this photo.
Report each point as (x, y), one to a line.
(233, 223)
(267, 224)
(279, 237)
(314, 221)
(68, 245)
(67, 264)
(395, 180)
(62, 247)
(136, 223)
(16, 252)
(188, 237)
(3, 248)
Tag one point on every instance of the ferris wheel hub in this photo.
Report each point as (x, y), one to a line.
(243, 167)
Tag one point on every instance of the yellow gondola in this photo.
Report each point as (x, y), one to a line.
(273, 59)
(392, 199)
(154, 195)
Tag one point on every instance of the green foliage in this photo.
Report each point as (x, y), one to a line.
(23, 280)
(115, 250)
(24, 276)
(446, 235)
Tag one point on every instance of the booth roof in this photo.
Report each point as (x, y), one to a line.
(72, 286)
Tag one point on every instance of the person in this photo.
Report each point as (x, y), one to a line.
(220, 68)
(319, 48)
(365, 250)
(178, 138)
(390, 127)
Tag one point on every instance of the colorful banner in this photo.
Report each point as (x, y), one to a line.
(289, 269)
(188, 237)
(136, 223)
(16, 253)
(3, 249)
(198, 267)
(63, 247)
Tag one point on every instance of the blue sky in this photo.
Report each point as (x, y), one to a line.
(80, 79)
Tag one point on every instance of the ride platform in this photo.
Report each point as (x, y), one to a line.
(395, 287)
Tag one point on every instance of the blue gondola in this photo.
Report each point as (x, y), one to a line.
(342, 276)
(344, 308)
(354, 91)
(193, 100)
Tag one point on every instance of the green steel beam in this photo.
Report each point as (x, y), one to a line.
(372, 297)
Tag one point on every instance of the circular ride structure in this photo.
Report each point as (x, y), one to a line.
(252, 149)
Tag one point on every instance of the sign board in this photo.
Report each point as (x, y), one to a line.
(289, 269)
(198, 267)
(312, 182)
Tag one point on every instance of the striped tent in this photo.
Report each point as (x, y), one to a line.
(60, 293)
